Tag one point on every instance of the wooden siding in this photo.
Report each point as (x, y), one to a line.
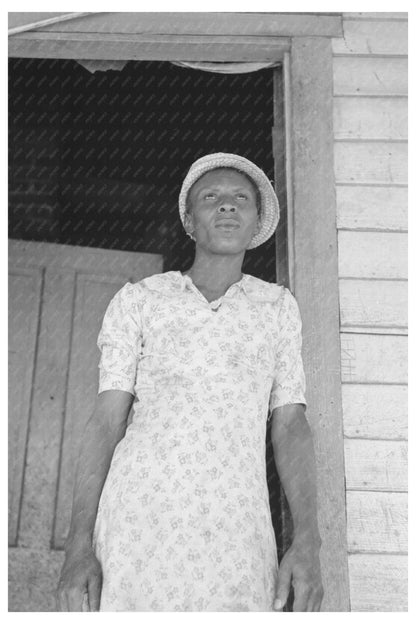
(378, 582)
(370, 148)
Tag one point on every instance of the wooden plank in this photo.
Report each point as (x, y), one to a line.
(33, 579)
(316, 289)
(206, 23)
(93, 294)
(82, 259)
(370, 118)
(378, 15)
(25, 287)
(375, 411)
(362, 37)
(370, 76)
(377, 521)
(378, 582)
(148, 47)
(372, 254)
(49, 390)
(376, 465)
(370, 304)
(367, 358)
(372, 207)
(370, 163)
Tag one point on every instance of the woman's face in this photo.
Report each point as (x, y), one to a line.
(223, 213)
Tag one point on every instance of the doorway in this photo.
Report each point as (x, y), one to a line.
(97, 160)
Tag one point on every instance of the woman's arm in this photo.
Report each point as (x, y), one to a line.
(295, 462)
(81, 571)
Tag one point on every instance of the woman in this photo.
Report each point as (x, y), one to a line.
(172, 513)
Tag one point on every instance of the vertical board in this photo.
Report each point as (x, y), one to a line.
(24, 309)
(93, 294)
(316, 290)
(77, 285)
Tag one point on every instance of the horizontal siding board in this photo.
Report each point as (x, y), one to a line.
(361, 37)
(370, 76)
(372, 207)
(378, 15)
(376, 465)
(377, 521)
(371, 163)
(378, 582)
(373, 358)
(372, 254)
(375, 411)
(370, 118)
(378, 303)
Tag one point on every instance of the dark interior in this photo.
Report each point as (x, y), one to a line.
(97, 159)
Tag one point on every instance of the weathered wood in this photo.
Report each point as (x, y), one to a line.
(53, 366)
(47, 408)
(371, 163)
(376, 465)
(370, 76)
(362, 37)
(24, 308)
(19, 22)
(370, 118)
(83, 259)
(372, 254)
(93, 294)
(378, 582)
(147, 47)
(373, 304)
(316, 289)
(372, 207)
(33, 578)
(377, 521)
(207, 23)
(377, 16)
(375, 411)
(367, 358)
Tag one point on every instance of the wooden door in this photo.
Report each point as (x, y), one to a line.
(57, 297)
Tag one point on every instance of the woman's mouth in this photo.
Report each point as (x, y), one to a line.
(227, 224)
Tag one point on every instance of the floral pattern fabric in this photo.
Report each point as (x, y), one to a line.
(183, 522)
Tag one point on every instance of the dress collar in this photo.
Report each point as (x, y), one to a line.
(171, 283)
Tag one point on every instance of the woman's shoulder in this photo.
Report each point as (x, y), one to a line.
(260, 290)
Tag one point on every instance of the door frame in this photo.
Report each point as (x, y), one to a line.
(302, 42)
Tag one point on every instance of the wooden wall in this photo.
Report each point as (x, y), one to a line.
(370, 128)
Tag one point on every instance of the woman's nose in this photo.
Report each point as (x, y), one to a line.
(226, 206)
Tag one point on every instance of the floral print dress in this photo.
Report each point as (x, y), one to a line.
(184, 522)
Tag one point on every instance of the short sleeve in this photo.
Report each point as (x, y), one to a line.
(289, 378)
(119, 341)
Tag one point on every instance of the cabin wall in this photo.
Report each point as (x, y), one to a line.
(370, 150)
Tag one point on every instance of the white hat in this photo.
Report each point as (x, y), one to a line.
(269, 203)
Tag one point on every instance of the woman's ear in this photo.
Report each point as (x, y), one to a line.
(188, 223)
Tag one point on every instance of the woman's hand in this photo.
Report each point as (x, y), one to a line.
(79, 587)
(300, 567)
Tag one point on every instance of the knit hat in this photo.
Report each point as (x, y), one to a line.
(269, 216)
